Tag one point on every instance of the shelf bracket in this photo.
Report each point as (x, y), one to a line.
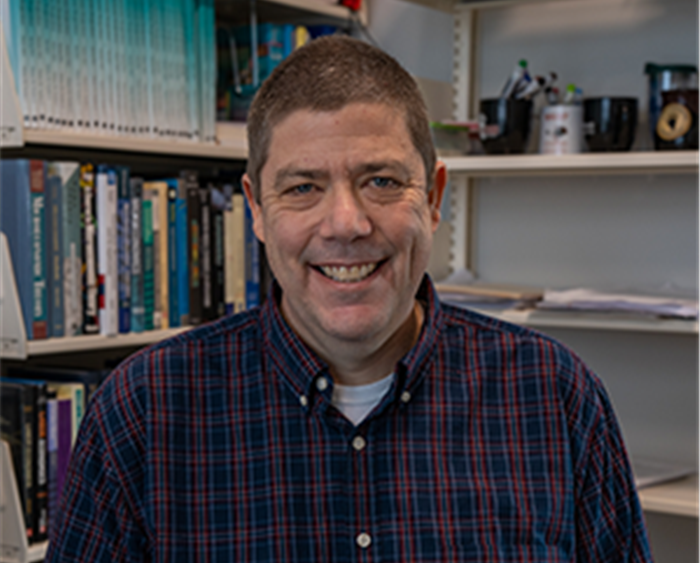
(11, 128)
(13, 336)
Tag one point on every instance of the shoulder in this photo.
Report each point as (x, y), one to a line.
(526, 354)
(198, 354)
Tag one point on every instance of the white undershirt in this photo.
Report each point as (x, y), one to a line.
(356, 401)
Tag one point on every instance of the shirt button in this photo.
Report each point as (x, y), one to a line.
(303, 400)
(363, 540)
(405, 396)
(321, 384)
(359, 443)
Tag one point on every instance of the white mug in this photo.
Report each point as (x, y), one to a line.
(561, 129)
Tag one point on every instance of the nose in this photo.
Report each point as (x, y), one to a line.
(345, 216)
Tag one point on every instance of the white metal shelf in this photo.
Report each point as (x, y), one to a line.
(594, 321)
(679, 498)
(652, 162)
(98, 342)
(236, 146)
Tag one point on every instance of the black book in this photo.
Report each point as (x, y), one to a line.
(39, 469)
(16, 416)
(205, 222)
(218, 257)
(194, 246)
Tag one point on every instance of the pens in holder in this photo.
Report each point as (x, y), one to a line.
(515, 79)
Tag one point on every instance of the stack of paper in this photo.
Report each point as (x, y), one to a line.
(583, 299)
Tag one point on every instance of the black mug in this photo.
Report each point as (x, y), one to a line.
(506, 126)
(609, 123)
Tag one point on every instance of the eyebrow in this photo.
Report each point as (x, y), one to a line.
(292, 171)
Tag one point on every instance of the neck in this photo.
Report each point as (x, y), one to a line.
(363, 363)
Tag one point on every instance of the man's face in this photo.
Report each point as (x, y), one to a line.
(347, 222)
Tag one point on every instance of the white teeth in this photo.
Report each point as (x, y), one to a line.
(352, 274)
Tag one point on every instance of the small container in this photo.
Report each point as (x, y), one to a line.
(677, 126)
(561, 129)
(506, 125)
(663, 78)
(609, 123)
(452, 139)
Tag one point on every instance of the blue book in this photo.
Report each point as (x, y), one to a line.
(54, 252)
(15, 222)
(124, 219)
(252, 262)
(173, 278)
(148, 263)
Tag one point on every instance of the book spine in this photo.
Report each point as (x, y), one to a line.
(107, 250)
(137, 310)
(27, 461)
(183, 284)
(65, 430)
(54, 248)
(148, 286)
(152, 195)
(88, 226)
(52, 456)
(124, 248)
(72, 249)
(252, 282)
(173, 291)
(218, 205)
(38, 202)
(164, 255)
(194, 249)
(16, 220)
(229, 259)
(207, 278)
(239, 253)
(40, 470)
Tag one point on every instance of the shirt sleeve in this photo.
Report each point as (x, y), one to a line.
(98, 517)
(609, 520)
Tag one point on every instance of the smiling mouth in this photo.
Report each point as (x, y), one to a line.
(349, 274)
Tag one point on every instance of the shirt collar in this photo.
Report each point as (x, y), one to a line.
(300, 366)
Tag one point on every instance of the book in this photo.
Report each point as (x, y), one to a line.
(88, 237)
(16, 223)
(252, 258)
(147, 245)
(75, 392)
(52, 454)
(206, 252)
(218, 282)
(39, 492)
(173, 279)
(124, 253)
(156, 193)
(137, 310)
(106, 184)
(239, 252)
(229, 259)
(54, 251)
(17, 408)
(183, 269)
(37, 188)
(63, 451)
(69, 173)
(193, 247)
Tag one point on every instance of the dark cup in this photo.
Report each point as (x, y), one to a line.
(507, 125)
(609, 123)
(677, 126)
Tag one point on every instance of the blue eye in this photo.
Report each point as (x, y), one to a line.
(302, 189)
(381, 182)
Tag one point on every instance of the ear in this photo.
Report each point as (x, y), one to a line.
(256, 210)
(436, 192)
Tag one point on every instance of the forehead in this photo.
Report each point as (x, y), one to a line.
(352, 130)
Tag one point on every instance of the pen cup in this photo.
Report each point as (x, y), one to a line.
(561, 129)
(506, 125)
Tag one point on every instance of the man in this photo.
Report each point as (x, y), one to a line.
(353, 417)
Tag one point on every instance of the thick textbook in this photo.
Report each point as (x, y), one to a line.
(37, 188)
(124, 248)
(88, 236)
(53, 241)
(137, 310)
(106, 182)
